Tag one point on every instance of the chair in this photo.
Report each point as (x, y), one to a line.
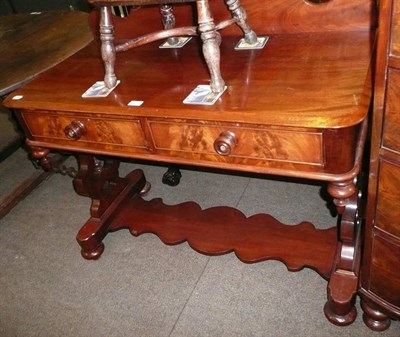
(206, 28)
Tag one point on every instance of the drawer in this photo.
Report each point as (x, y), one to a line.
(391, 128)
(236, 142)
(388, 198)
(395, 31)
(385, 271)
(44, 126)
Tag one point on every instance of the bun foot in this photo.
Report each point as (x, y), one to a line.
(93, 254)
(374, 319)
(146, 189)
(341, 320)
(376, 325)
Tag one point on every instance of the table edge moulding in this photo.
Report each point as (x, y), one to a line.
(296, 108)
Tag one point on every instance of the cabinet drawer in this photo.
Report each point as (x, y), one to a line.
(388, 198)
(249, 143)
(45, 126)
(391, 129)
(385, 274)
(395, 31)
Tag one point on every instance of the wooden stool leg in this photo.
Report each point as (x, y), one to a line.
(107, 46)
(239, 14)
(211, 40)
(168, 20)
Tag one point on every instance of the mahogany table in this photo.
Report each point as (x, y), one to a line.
(297, 108)
(31, 43)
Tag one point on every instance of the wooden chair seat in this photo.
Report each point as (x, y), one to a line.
(206, 28)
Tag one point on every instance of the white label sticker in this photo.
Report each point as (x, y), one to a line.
(135, 103)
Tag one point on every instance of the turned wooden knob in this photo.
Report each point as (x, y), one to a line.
(225, 143)
(75, 130)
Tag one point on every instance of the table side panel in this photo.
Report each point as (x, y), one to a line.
(260, 148)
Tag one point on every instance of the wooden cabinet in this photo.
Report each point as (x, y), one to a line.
(380, 278)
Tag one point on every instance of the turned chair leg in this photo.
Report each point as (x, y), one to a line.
(208, 34)
(107, 46)
(240, 16)
(211, 41)
(168, 21)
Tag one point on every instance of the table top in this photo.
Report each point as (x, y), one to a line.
(33, 43)
(319, 80)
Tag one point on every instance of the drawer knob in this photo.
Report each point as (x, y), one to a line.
(75, 130)
(225, 143)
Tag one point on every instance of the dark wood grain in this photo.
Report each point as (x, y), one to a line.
(388, 201)
(385, 280)
(380, 279)
(33, 43)
(395, 31)
(265, 17)
(222, 230)
(391, 123)
(323, 85)
(288, 98)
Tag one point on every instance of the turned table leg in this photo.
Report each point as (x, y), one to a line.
(41, 155)
(343, 283)
(100, 181)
